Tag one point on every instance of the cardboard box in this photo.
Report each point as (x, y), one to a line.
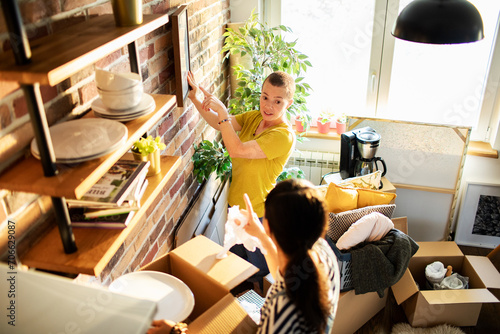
(353, 310)
(216, 310)
(426, 308)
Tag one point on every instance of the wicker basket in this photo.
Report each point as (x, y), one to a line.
(344, 260)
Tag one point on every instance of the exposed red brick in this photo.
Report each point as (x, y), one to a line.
(20, 107)
(161, 7)
(177, 186)
(146, 53)
(151, 255)
(74, 4)
(105, 8)
(48, 92)
(5, 118)
(34, 11)
(109, 59)
(88, 92)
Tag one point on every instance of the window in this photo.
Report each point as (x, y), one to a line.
(364, 71)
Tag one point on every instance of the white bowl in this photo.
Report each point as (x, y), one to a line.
(112, 81)
(122, 99)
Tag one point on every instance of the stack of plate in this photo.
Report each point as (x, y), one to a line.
(84, 139)
(146, 106)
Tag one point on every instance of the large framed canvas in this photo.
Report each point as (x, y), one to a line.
(479, 221)
(182, 62)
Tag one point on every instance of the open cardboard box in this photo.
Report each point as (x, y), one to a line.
(426, 308)
(216, 310)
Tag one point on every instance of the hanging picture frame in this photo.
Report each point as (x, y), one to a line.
(182, 61)
(479, 221)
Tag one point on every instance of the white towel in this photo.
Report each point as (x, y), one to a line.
(236, 234)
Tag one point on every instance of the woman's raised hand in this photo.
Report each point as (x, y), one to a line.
(194, 86)
(211, 102)
(253, 226)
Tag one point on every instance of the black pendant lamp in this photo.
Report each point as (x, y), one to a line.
(439, 22)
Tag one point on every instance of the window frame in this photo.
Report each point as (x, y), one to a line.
(378, 78)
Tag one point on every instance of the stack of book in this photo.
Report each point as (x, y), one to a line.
(113, 200)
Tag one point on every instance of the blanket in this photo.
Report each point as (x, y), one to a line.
(380, 264)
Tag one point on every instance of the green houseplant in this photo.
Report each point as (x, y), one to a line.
(148, 149)
(291, 173)
(211, 157)
(269, 52)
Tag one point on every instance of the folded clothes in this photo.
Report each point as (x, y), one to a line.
(434, 272)
(380, 264)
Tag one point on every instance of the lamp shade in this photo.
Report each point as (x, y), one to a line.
(439, 22)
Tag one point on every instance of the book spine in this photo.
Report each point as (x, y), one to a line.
(125, 191)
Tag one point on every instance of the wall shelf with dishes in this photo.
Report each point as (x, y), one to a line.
(49, 61)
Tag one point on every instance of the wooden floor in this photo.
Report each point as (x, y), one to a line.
(488, 322)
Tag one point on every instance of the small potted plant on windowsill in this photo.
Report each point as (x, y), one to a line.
(301, 123)
(341, 124)
(148, 149)
(324, 121)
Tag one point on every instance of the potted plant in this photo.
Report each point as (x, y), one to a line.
(301, 123)
(341, 124)
(268, 52)
(148, 149)
(211, 157)
(291, 173)
(324, 121)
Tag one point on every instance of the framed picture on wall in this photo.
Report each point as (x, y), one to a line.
(182, 61)
(479, 221)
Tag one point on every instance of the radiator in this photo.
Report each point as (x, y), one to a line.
(315, 164)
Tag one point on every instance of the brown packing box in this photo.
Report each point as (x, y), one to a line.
(353, 310)
(216, 310)
(455, 307)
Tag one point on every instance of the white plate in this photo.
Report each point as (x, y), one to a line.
(127, 117)
(174, 298)
(84, 139)
(146, 102)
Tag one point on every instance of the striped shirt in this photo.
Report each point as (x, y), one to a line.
(280, 315)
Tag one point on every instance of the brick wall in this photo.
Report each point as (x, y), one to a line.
(179, 129)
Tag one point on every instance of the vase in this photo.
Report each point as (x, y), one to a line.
(340, 127)
(323, 127)
(127, 12)
(153, 158)
(298, 125)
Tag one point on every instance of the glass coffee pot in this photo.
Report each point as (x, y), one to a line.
(366, 163)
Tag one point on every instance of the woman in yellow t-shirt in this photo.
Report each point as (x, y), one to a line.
(259, 143)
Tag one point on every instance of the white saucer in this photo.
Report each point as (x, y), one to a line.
(174, 298)
(146, 102)
(84, 139)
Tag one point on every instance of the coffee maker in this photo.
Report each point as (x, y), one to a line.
(357, 153)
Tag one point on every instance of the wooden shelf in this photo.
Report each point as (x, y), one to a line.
(72, 182)
(96, 246)
(482, 149)
(58, 56)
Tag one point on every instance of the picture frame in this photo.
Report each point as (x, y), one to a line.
(182, 60)
(476, 226)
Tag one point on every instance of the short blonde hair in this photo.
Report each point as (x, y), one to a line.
(282, 79)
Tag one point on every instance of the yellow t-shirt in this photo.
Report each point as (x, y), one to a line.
(257, 177)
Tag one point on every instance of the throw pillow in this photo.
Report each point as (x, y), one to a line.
(341, 199)
(368, 197)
